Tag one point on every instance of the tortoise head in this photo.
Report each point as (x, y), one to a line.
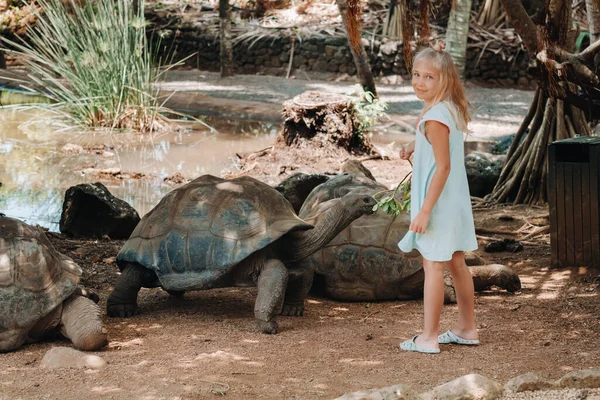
(357, 205)
(511, 282)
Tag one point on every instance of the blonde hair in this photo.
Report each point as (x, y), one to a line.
(451, 88)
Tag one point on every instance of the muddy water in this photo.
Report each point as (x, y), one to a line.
(40, 158)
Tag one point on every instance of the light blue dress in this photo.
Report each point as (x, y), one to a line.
(451, 227)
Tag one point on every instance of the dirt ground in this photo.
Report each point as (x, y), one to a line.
(206, 345)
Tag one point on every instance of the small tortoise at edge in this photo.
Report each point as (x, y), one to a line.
(39, 292)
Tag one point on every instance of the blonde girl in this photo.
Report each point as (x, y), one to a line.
(442, 225)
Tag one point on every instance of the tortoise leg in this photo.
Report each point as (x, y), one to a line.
(122, 302)
(300, 281)
(82, 323)
(271, 284)
(486, 276)
(12, 339)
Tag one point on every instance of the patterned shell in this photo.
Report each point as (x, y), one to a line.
(34, 277)
(363, 262)
(198, 233)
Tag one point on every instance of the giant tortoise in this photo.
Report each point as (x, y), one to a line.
(364, 263)
(39, 292)
(214, 233)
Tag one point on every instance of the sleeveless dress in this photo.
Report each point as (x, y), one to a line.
(451, 227)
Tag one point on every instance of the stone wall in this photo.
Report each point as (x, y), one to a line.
(332, 55)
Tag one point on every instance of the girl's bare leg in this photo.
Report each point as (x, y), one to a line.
(465, 297)
(433, 301)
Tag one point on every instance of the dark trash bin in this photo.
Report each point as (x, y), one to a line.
(573, 184)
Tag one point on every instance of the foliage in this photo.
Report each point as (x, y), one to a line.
(94, 62)
(389, 203)
(15, 19)
(369, 109)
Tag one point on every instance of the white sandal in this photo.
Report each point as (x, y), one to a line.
(410, 345)
(450, 338)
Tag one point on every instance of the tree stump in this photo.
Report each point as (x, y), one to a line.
(323, 119)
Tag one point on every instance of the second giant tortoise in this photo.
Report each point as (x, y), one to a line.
(214, 233)
(364, 263)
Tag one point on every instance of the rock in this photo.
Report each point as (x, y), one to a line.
(71, 148)
(177, 179)
(389, 48)
(483, 170)
(392, 80)
(66, 357)
(395, 392)
(91, 211)
(506, 244)
(528, 382)
(523, 82)
(587, 378)
(468, 387)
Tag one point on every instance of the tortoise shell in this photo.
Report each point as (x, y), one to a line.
(34, 278)
(198, 233)
(363, 262)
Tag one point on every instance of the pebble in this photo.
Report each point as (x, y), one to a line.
(66, 357)
(562, 394)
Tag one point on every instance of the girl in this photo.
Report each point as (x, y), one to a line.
(442, 225)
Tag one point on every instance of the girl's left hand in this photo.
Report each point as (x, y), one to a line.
(419, 224)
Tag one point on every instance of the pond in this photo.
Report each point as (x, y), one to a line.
(40, 159)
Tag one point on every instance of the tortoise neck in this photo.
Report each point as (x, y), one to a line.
(299, 245)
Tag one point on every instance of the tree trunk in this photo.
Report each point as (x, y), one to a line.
(593, 15)
(424, 24)
(323, 119)
(554, 113)
(392, 26)
(225, 39)
(359, 55)
(489, 13)
(457, 33)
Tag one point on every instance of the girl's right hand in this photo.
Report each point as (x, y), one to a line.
(407, 150)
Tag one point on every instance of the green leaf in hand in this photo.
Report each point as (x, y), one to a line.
(389, 203)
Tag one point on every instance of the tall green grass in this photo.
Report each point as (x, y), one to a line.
(95, 63)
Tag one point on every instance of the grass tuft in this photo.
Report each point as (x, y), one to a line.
(95, 64)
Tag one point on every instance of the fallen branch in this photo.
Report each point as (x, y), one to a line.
(540, 231)
(494, 231)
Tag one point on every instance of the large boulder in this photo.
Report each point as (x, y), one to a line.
(483, 170)
(91, 211)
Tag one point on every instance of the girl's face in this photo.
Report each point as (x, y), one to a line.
(425, 80)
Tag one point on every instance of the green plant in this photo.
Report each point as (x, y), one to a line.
(369, 109)
(387, 201)
(94, 63)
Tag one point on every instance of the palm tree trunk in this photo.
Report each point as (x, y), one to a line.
(359, 55)
(457, 33)
(225, 38)
(593, 14)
